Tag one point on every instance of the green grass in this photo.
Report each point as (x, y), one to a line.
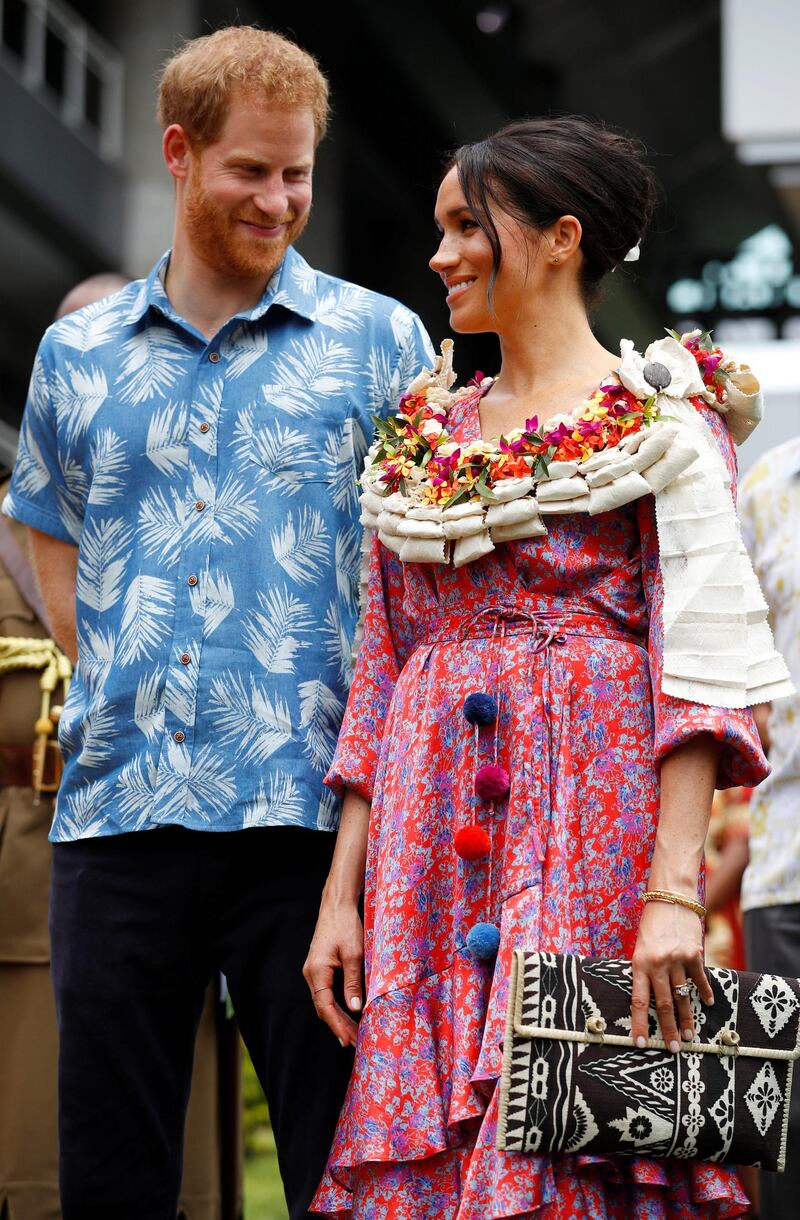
(263, 1193)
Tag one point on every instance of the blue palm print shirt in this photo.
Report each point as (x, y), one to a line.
(211, 489)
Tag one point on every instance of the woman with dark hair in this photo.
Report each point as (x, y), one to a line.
(536, 725)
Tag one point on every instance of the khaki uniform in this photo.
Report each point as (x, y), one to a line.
(28, 1034)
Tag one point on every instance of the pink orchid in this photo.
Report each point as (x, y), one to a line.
(444, 464)
(558, 434)
(511, 446)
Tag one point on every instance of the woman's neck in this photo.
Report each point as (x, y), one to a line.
(550, 363)
(539, 354)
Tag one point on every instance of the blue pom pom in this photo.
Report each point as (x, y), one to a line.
(480, 708)
(483, 941)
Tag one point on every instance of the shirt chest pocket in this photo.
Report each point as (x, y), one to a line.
(323, 443)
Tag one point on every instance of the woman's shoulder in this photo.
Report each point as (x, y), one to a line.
(689, 366)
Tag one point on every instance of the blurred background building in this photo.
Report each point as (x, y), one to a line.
(711, 87)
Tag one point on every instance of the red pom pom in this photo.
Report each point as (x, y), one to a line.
(492, 782)
(472, 843)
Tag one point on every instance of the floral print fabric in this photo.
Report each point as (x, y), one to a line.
(581, 729)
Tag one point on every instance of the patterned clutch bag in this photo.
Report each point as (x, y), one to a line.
(574, 1081)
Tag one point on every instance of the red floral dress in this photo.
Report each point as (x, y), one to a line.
(565, 632)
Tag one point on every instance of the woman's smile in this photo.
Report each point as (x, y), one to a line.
(456, 288)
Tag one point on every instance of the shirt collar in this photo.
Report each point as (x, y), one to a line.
(293, 286)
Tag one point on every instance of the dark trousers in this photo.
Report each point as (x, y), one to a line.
(139, 923)
(772, 935)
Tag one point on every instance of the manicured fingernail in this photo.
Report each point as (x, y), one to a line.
(688, 1036)
(355, 1003)
(674, 1047)
(342, 1043)
(641, 1042)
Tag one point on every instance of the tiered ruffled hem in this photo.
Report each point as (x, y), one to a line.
(418, 1128)
(557, 1188)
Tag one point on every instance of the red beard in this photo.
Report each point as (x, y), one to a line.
(224, 244)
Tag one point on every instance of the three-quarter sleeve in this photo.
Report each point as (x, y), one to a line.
(386, 644)
(677, 721)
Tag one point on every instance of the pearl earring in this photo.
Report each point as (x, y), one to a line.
(556, 259)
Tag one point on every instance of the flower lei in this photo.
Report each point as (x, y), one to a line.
(713, 365)
(416, 456)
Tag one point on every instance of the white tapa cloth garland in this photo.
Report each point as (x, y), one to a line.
(718, 648)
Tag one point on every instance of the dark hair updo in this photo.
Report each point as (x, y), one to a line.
(540, 169)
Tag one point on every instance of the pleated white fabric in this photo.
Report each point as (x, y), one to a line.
(718, 646)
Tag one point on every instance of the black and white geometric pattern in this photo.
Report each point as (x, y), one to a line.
(573, 1080)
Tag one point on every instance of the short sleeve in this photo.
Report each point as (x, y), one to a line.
(386, 645)
(41, 495)
(413, 353)
(677, 721)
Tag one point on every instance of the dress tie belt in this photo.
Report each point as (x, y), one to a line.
(547, 627)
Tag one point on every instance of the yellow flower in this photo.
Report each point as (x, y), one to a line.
(436, 495)
(594, 411)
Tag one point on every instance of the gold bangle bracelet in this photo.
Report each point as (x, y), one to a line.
(678, 900)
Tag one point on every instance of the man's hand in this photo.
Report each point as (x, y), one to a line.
(338, 944)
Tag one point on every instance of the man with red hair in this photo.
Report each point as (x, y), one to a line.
(188, 466)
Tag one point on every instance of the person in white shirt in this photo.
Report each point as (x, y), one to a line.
(769, 508)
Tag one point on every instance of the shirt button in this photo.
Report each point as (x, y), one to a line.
(192, 580)
(179, 736)
(204, 427)
(213, 357)
(185, 658)
(200, 505)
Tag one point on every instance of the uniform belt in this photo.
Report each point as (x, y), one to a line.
(547, 627)
(16, 766)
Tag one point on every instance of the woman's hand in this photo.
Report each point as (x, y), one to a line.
(338, 944)
(669, 947)
(669, 952)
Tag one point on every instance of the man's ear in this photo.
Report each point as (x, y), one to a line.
(177, 150)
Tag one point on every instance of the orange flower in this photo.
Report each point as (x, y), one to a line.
(567, 450)
(410, 404)
(517, 467)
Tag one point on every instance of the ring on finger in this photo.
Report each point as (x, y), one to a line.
(321, 989)
(683, 989)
